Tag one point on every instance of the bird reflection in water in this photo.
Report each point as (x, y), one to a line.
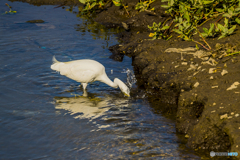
(90, 108)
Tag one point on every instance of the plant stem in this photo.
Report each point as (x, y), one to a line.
(203, 39)
(200, 44)
(232, 54)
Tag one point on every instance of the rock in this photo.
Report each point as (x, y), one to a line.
(223, 116)
(196, 85)
(233, 86)
(184, 63)
(212, 70)
(211, 77)
(35, 21)
(224, 72)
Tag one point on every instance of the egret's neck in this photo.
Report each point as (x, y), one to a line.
(107, 81)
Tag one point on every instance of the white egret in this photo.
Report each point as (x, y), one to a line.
(85, 71)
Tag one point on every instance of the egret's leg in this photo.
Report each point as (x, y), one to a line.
(84, 89)
(84, 86)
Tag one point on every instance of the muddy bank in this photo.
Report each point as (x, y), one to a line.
(200, 88)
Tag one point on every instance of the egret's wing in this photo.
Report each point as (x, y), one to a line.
(81, 74)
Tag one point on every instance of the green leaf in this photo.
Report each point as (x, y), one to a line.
(117, 3)
(220, 10)
(82, 1)
(165, 27)
(237, 20)
(221, 27)
(186, 15)
(227, 15)
(226, 21)
(204, 34)
(222, 36)
(231, 30)
(211, 27)
(165, 6)
(237, 9)
(207, 2)
(230, 12)
(197, 47)
(205, 30)
(177, 31)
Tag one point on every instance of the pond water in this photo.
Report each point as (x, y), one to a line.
(44, 116)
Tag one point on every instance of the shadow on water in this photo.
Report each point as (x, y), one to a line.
(44, 116)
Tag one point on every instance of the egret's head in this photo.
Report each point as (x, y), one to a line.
(122, 87)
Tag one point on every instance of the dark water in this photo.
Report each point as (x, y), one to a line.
(42, 115)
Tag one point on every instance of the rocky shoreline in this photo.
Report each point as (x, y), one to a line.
(201, 87)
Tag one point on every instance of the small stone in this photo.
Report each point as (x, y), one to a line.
(232, 113)
(199, 67)
(195, 73)
(212, 70)
(236, 146)
(196, 85)
(213, 111)
(203, 69)
(214, 86)
(214, 104)
(229, 117)
(233, 86)
(186, 136)
(184, 63)
(191, 102)
(223, 116)
(182, 90)
(225, 65)
(224, 72)
(236, 115)
(211, 77)
(176, 66)
(221, 107)
(163, 67)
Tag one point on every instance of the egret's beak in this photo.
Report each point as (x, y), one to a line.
(126, 94)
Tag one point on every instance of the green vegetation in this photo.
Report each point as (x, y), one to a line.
(90, 4)
(10, 11)
(143, 6)
(190, 15)
(187, 16)
(160, 33)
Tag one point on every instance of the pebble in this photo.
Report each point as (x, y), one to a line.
(212, 70)
(224, 72)
(213, 111)
(184, 63)
(196, 85)
(214, 104)
(236, 115)
(223, 116)
(211, 77)
(232, 113)
(214, 86)
(233, 86)
(176, 66)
